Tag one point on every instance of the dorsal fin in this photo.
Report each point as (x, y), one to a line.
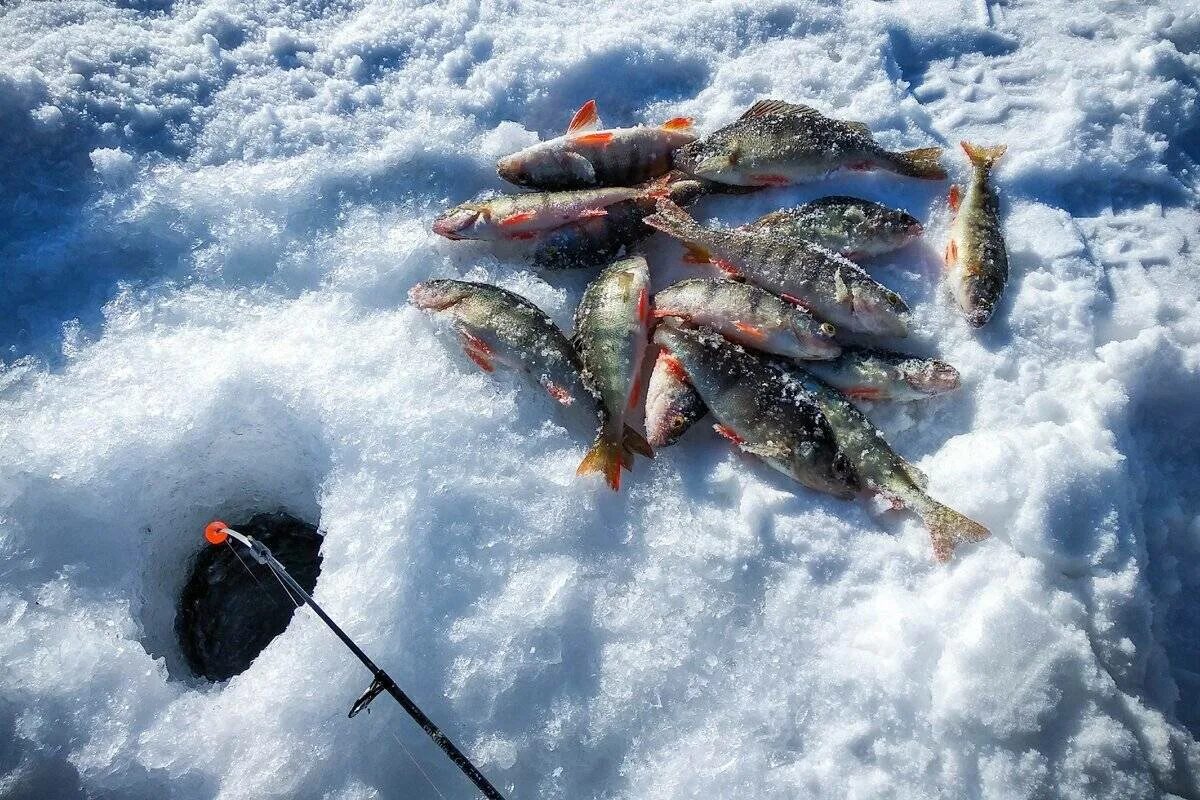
(585, 119)
(765, 108)
(678, 124)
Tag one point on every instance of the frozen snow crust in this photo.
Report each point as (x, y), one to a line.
(212, 213)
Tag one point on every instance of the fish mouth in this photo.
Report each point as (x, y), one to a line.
(429, 296)
(509, 168)
(454, 222)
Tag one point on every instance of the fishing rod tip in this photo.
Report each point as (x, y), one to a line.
(216, 532)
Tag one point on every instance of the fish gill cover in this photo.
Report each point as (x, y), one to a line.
(212, 213)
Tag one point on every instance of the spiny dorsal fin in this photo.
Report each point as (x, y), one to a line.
(585, 119)
(765, 108)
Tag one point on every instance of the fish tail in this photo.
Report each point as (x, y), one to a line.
(633, 443)
(983, 156)
(674, 221)
(606, 456)
(947, 527)
(924, 162)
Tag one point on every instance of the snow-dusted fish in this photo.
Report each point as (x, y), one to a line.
(777, 143)
(748, 315)
(761, 408)
(526, 216)
(499, 328)
(586, 156)
(611, 328)
(849, 226)
(672, 404)
(976, 258)
(832, 287)
(597, 239)
(871, 374)
(882, 471)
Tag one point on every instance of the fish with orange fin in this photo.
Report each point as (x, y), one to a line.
(611, 329)
(748, 315)
(529, 216)
(882, 471)
(588, 156)
(672, 404)
(778, 144)
(976, 258)
(877, 375)
(830, 286)
(499, 328)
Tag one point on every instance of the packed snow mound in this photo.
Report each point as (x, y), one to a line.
(214, 210)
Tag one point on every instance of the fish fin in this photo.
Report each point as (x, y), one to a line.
(796, 301)
(678, 124)
(674, 367)
(634, 442)
(951, 253)
(635, 394)
(585, 119)
(696, 255)
(729, 433)
(600, 137)
(517, 218)
(863, 393)
(771, 180)
(477, 350)
(983, 156)
(955, 197)
(674, 221)
(924, 162)
(728, 268)
(660, 188)
(643, 306)
(753, 332)
(857, 127)
(775, 107)
(605, 457)
(948, 528)
(559, 393)
(663, 313)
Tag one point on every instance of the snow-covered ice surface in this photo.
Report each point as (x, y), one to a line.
(211, 213)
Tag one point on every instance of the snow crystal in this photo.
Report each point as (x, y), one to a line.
(213, 213)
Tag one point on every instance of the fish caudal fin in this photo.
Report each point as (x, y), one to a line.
(674, 221)
(633, 442)
(983, 156)
(924, 162)
(605, 457)
(948, 528)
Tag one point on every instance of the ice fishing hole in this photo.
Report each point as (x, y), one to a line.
(232, 607)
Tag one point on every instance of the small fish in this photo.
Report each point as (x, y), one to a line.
(597, 240)
(586, 157)
(832, 287)
(761, 408)
(611, 328)
(870, 374)
(750, 316)
(672, 404)
(526, 216)
(497, 327)
(975, 257)
(777, 144)
(882, 471)
(848, 226)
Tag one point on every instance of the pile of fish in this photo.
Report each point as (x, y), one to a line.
(759, 348)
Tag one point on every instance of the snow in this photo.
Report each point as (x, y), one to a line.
(213, 212)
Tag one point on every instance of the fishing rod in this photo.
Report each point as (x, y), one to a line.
(218, 533)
